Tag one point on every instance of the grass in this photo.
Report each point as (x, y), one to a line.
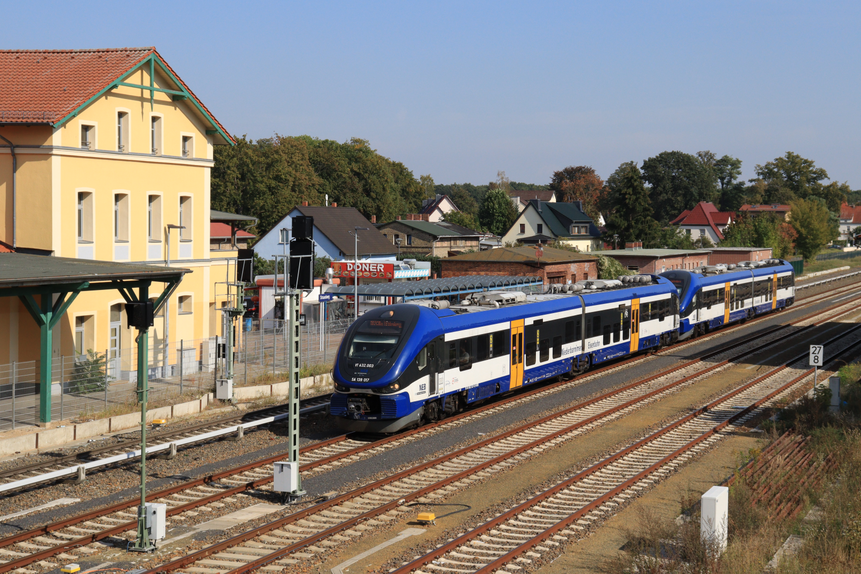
(831, 545)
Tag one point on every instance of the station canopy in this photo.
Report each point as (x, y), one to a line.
(430, 288)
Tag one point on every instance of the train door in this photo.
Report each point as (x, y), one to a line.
(437, 371)
(773, 292)
(516, 354)
(726, 303)
(635, 325)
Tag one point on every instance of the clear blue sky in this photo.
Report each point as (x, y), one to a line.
(460, 90)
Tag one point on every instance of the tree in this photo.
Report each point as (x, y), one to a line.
(766, 230)
(580, 183)
(467, 220)
(792, 176)
(732, 191)
(627, 203)
(465, 202)
(678, 182)
(610, 268)
(428, 186)
(497, 212)
(812, 222)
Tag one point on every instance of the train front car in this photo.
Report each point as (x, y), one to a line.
(381, 371)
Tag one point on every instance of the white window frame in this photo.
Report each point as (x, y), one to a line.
(122, 216)
(85, 223)
(182, 138)
(186, 235)
(156, 136)
(124, 130)
(92, 132)
(154, 221)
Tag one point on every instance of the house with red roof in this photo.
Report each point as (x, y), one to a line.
(704, 220)
(780, 209)
(106, 155)
(434, 210)
(850, 221)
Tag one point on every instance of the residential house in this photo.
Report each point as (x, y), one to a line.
(704, 221)
(106, 155)
(334, 234)
(545, 222)
(224, 237)
(778, 208)
(521, 197)
(435, 209)
(850, 221)
(440, 239)
(552, 265)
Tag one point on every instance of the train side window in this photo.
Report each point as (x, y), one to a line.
(520, 347)
(626, 327)
(616, 330)
(557, 347)
(499, 344)
(482, 344)
(514, 353)
(422, 359)
(544, 349)
(465, 358)
(569, 332)
(530, 353)
(608, 334)
(596, 326)
(452, 355)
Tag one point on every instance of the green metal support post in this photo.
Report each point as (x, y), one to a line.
(142, 544)
(45, 363)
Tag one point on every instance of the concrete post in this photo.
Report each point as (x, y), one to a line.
(714, 518)
(834, 385)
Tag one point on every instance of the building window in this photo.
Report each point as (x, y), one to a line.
(83, 334)
(284, 235)
(184, 305)
(540, 228)
(87, 137)
(85, 216)
(522, 228)
(154, 217)
(155, 135)
(185, 218)
(121, 217)
(409, 239)
(122, 131)
(187, 146)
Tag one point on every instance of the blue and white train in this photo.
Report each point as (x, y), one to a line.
(710, 297)
(403, 365)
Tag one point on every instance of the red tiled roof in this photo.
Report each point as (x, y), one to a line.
(704, 213)
(850, 213)
(45, 86)
(526, 195)
(218, 230)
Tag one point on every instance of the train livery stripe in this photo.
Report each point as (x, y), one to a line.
(516, 354)
(635, 325)
(726, 300)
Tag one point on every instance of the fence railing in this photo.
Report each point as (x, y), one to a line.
(105, 383)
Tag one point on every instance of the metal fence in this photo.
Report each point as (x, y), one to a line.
(105, 383)
(838, 255)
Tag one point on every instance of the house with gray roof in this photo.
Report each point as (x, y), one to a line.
(439, 238)
(333, 234)
(545, 222)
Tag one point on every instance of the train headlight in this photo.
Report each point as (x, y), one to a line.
(341, 388)
(394, 387)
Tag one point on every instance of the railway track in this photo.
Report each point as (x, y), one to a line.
(214, 488)
(37, 473)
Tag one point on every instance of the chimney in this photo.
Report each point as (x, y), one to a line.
(630, 245)
(399, 218)
(580, 206)
(304, 204)
(334, 204)
(373, 219)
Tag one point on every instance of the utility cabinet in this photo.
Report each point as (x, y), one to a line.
(286, 477)
(224, 389)
(156, 520)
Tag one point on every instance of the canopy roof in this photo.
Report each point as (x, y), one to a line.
(438, 287)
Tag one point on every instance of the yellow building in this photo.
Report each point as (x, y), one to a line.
(106, 155)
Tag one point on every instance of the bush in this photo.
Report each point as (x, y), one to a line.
(90, 374)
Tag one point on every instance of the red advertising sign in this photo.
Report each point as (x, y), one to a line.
(368, 270)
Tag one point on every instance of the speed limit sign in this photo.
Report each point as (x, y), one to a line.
(816, 355)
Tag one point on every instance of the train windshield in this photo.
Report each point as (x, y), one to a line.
(678, 283)
(376, 339)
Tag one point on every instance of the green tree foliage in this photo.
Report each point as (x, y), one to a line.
(766, 230)
(627, 203)
(497, 212)
(580, 183)
(678, 181)
(793, 177)
(428, 186)
(609, 268)
(812, 222)
(90, 374)
(267, 178)
(464, 220)
(732, 191)
(464, 201)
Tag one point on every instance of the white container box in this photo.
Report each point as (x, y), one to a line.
(224, 389)
(156, 520)
(286, 477)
